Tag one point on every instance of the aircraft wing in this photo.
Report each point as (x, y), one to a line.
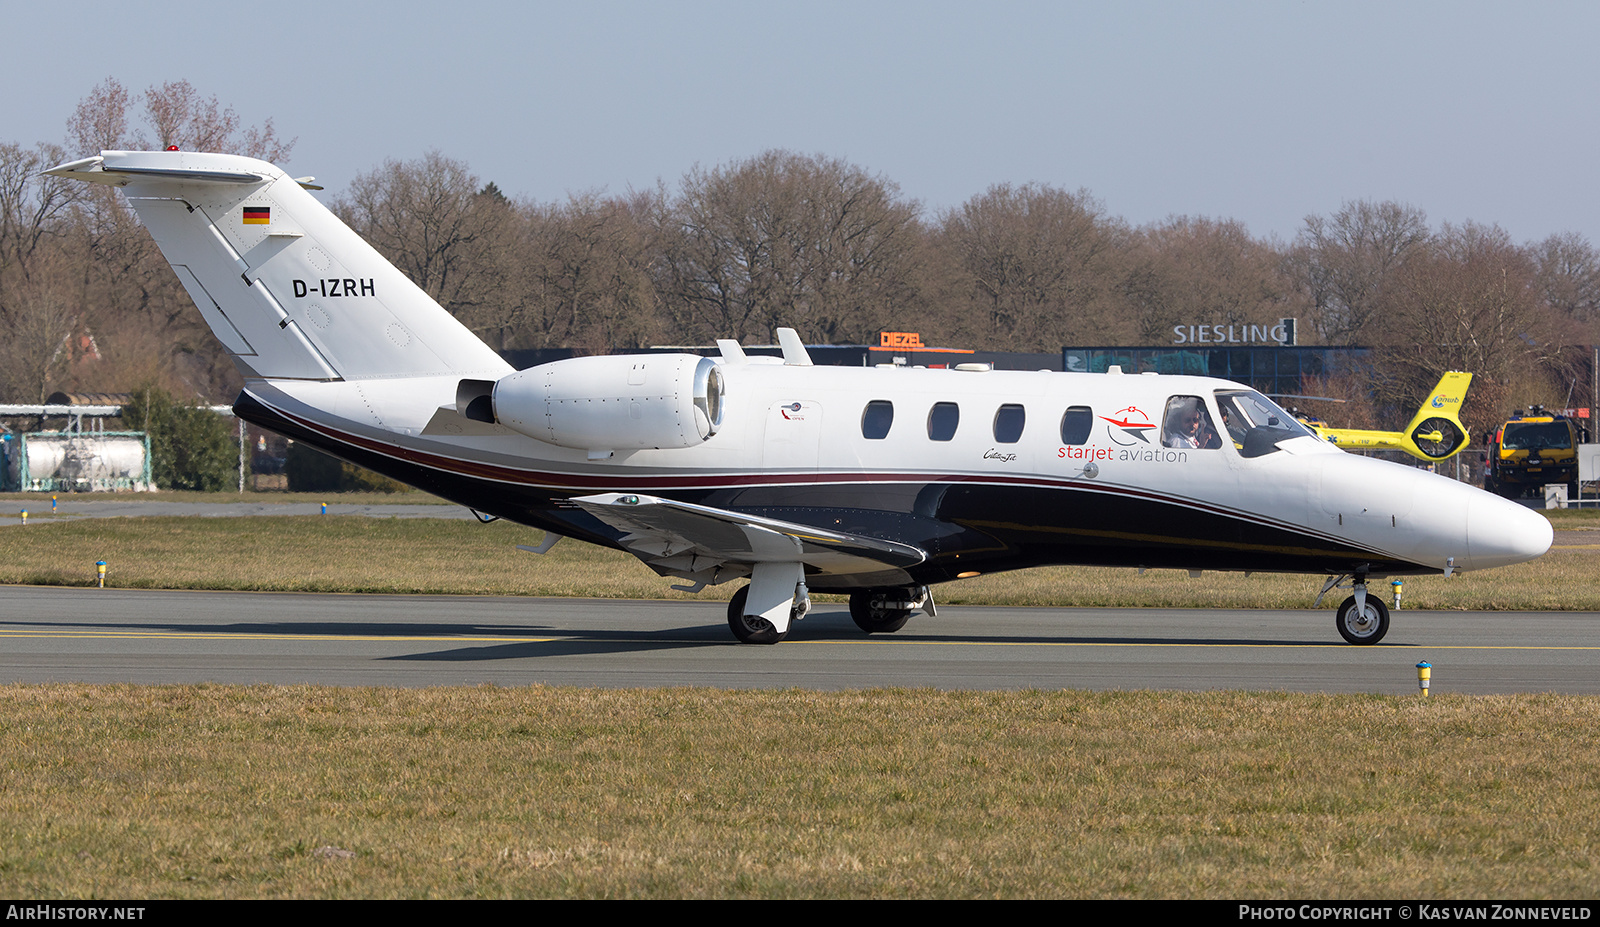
(712, 545)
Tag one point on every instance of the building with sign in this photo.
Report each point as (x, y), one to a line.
(1263, 356)
(899, 349)
(1277, 370)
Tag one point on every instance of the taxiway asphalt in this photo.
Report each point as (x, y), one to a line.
(50, 634)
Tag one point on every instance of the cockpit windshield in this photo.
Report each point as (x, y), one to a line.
(1255, 423)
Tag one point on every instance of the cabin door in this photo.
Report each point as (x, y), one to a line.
(793, 436)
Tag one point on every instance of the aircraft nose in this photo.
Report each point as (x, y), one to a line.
(1501, 532)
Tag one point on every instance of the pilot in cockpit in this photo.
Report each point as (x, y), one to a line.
(1188, 424)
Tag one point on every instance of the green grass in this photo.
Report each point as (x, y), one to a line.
(295, 792)
(317, 553)
(186, 792)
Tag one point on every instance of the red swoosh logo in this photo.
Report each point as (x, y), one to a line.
(1127, 424)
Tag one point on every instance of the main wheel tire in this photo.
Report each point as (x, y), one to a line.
(1363, 629)
(874, 618)
(750, 629)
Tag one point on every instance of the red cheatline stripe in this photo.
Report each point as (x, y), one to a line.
(661, 482)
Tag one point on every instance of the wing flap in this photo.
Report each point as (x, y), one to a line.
(713, 545)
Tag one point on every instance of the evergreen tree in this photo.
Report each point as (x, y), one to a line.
(191, 447)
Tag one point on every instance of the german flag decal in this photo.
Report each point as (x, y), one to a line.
(257, 215)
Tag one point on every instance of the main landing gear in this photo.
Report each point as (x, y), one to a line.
(762, 612)
(1362, 619)
(752, 629)
(884, 611)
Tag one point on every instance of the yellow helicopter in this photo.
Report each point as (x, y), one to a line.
(1435, 432)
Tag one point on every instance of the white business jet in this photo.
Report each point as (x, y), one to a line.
(873, 482)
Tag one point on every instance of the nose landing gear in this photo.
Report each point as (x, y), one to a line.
(1362, 623)
(1362, 619)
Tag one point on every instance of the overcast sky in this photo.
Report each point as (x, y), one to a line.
(1261, 112)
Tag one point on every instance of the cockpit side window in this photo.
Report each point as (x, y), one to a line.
(1188, 424)
(1255, 423)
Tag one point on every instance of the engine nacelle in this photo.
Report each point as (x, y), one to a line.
(600, 404)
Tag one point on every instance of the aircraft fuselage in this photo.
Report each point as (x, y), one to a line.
(794, 445)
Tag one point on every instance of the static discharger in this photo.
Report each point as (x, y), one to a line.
(1399, 587)
(1424, 674)
(100, 573)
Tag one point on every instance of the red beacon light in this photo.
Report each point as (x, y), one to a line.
(172, 147)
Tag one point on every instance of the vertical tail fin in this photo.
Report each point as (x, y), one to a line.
(1436, 428)
(290, 290)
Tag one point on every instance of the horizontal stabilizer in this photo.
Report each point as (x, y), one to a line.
(94, 170)
(699, 542)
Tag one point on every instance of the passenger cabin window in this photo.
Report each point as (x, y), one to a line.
(1075, 425)
(1008, 423)
(876, 419)
(1188, 424)
(942, 421)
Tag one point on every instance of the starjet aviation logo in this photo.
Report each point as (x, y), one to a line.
(1130, 427)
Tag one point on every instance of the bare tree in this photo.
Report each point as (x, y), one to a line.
(1035, 269)
(427, 217)
(1469, 302)
(582, 273)
(181, 117)
(1198, 270)
(100, 121)
(38, 322)
(1567, 273)
(1343, 400)
(786, 239)
(1343, 262)
(32, 205)
(177, 114)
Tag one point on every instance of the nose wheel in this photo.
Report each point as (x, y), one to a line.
(1364, 622)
